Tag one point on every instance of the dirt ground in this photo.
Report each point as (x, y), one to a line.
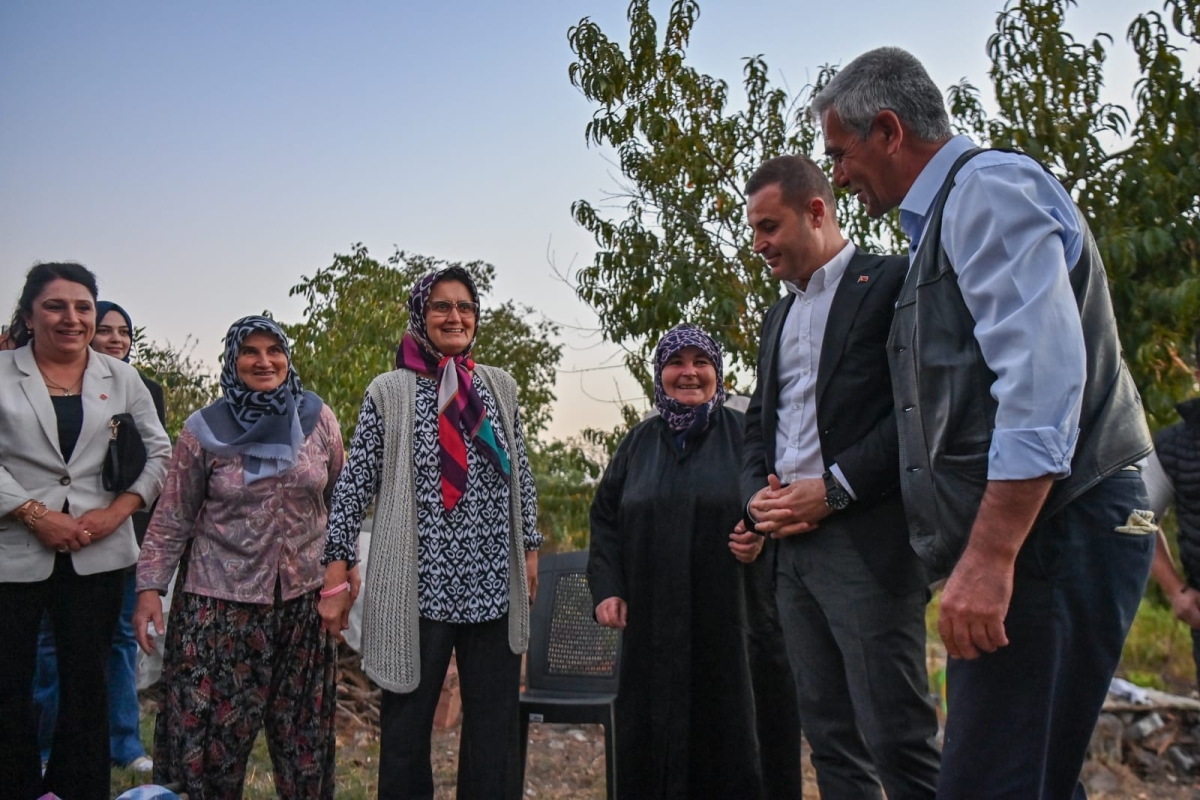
(1127, 786)
(567, 761)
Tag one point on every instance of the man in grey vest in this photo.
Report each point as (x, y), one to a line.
(1019, 429)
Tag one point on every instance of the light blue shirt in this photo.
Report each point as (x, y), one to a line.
(1012, 234)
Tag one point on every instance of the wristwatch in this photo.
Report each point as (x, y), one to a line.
(836, 497)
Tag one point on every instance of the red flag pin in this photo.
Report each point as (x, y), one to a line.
(103, 397)
(862, 279)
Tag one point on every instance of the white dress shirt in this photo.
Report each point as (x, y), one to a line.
(797, 440)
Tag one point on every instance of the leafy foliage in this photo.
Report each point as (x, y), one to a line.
(682, 251)
(186, 383)
(1134, 173)
(566, 477)
(1158, 650)
(509, 339)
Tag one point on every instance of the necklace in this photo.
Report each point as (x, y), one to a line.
(66, 390)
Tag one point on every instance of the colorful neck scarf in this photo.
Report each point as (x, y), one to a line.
(267, 429)
(102, 309)
(687, 422)
(461, 414)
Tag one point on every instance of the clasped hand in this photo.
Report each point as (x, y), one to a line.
(781, 511)
(62, 532)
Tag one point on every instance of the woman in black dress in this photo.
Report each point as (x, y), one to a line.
(661, 568)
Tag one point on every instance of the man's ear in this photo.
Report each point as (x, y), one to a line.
(817, 211)
(889, 125)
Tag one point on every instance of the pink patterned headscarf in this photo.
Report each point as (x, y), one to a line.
(462, 417)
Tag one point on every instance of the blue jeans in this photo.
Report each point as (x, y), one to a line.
(1020, 718)
(125, 740)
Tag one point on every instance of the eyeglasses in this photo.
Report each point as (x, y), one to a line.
(442, 308)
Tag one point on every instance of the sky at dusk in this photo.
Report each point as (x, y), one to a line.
(202, 157)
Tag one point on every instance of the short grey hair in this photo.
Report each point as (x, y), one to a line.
(885, 79)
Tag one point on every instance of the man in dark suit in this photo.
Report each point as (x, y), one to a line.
(821, 475)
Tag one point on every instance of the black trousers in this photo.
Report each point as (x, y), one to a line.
(858, 654)
(489, 676)
(83, 611)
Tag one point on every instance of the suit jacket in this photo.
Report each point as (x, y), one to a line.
(32, 466)
(855, 415)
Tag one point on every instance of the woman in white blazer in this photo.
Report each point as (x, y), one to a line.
(64, 540)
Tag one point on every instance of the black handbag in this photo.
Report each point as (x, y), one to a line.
(126, 456)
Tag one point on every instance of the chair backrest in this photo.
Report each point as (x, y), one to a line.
(568, 650)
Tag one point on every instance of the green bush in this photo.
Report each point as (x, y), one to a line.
(1158, 652)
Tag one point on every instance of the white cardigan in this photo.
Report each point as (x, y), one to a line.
(32, 466)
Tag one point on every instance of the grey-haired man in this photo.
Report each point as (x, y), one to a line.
(1019, 429)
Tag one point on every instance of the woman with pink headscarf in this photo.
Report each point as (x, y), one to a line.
(453, 562)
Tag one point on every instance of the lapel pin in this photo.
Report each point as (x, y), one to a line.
(103, 397)
(863, 278)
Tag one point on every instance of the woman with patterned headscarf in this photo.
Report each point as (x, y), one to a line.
(661, 569)
(249, 488)
(453, 562)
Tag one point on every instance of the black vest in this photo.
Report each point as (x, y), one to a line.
(1179, 453)
(945, 411)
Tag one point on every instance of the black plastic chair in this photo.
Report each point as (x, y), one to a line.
(572, 665)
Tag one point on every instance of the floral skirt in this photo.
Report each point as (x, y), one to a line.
(231, 669)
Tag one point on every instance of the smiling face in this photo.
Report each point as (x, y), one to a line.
(262, 363)
(449, 331)
(690, 377)
(113, 336)
(861, 165)
(784, 235)
(62, 318)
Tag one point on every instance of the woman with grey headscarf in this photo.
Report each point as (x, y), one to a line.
(249, 488)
